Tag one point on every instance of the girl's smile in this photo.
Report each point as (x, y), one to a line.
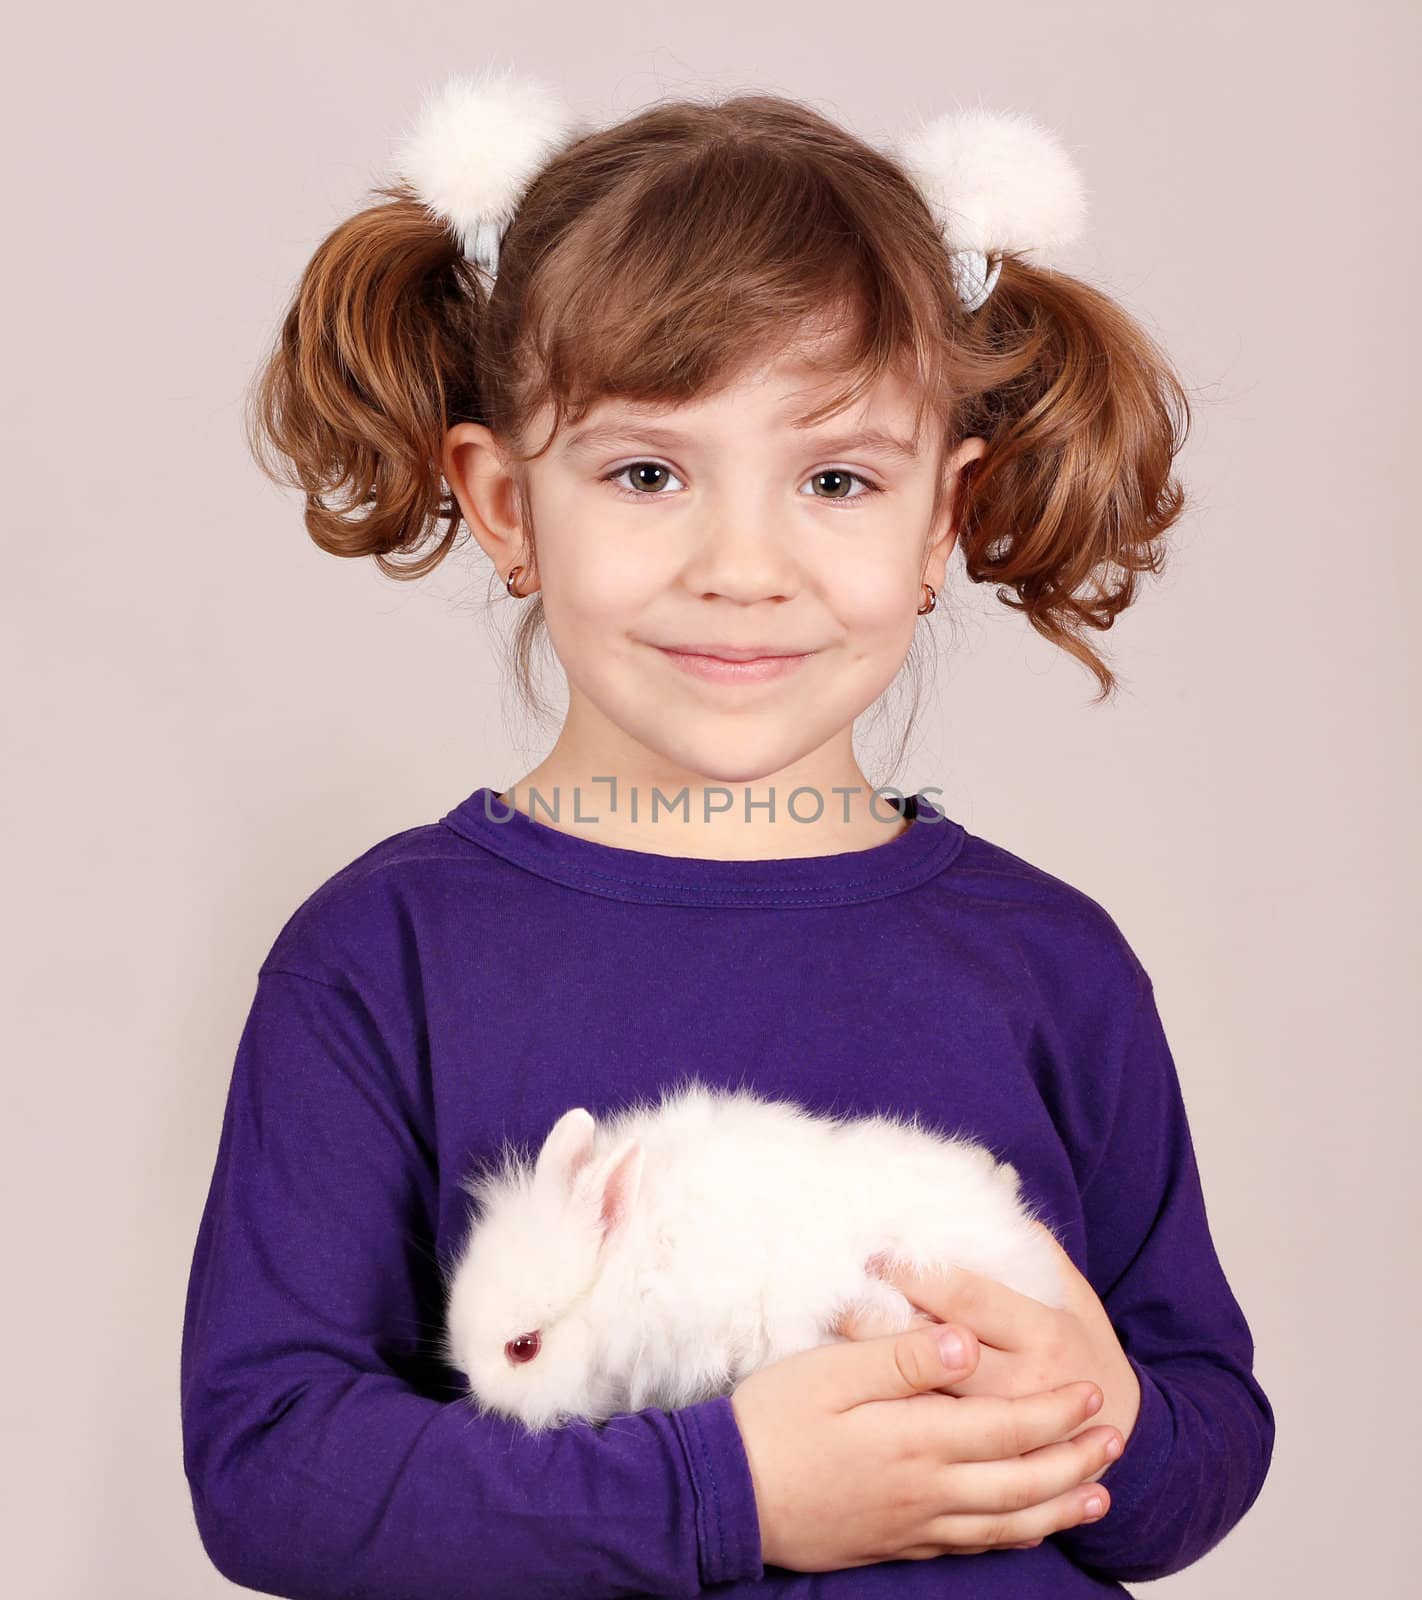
(719, 669)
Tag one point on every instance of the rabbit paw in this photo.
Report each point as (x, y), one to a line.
(877, 1309)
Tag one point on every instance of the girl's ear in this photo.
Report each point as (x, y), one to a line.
(565, 1151)
(611, 1186)
(950, 517)
(479, 478)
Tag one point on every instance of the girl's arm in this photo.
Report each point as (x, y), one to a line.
(1197, 1457)
(316, 1467)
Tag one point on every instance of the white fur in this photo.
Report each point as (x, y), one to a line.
(996, 180)
(670, 1250)
(476, 144)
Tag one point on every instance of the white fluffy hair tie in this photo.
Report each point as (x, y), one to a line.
(476, 145)
(993, 181)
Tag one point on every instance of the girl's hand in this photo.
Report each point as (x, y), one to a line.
(864, 1455)
(1026, 1347)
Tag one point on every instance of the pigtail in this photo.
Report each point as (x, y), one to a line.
(376, 352)
(1084, 415)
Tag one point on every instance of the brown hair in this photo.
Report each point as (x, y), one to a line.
(654, 260)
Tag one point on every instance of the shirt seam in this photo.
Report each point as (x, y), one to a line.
(1144, 988)
(936, 860)
(715, 1497)
(1147, 1468)
(266, 970)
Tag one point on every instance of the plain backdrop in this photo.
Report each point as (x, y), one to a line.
(205, 716)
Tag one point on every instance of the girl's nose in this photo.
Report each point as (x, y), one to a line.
(742, 552)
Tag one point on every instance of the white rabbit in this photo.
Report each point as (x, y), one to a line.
(658, 1257)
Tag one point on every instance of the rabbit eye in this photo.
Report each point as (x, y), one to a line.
(524, 1348)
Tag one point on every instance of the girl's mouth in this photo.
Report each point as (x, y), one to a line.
(715, 670)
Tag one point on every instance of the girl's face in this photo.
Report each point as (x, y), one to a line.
(719, 525)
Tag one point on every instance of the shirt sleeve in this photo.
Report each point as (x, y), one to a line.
(1202, 1443)
(317, 1465)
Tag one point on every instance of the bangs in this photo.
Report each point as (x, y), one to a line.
(708, 258)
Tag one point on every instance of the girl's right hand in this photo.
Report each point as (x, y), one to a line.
(855, 1459)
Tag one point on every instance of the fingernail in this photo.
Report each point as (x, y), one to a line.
(952, 1349)
(1113, 1448)
(1093, 1401)
(1093, 1506)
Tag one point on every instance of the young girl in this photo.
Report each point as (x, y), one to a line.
(717, 390)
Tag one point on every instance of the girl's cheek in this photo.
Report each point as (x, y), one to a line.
(873, 597)
(604, 580)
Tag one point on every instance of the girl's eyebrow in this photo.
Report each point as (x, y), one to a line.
(597, 436)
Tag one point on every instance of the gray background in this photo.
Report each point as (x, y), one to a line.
(206, 716)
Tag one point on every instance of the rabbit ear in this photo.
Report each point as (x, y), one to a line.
(611, 1185)
(565, 1151)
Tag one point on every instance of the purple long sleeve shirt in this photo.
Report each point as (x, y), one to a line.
(463, 983)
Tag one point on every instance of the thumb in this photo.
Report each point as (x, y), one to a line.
(903, 1364)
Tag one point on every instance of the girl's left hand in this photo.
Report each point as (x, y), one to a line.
(1026, 1346)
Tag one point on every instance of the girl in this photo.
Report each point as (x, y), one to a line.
(730, 365)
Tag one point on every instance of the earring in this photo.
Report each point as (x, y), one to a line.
(509, 584)
(932, 600)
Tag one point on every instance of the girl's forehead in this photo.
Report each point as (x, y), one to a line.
(774, 393)
(830, 355)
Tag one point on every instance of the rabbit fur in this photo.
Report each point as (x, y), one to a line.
(657, 1257)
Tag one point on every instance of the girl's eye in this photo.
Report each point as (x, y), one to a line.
(650, 484)
(840, 476)
(642, 468)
